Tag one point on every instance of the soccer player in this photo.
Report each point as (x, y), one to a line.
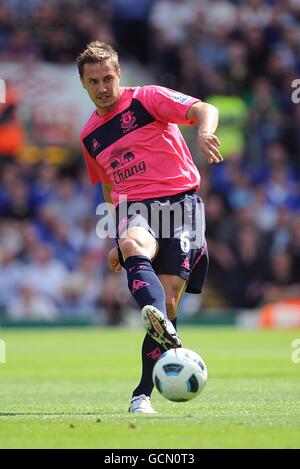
(132, 145)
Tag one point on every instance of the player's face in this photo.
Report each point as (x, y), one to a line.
(102, 82)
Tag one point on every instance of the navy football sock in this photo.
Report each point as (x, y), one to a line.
(151, 352)
(144, 284)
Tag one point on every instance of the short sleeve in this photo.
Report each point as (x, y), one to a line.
(167, 105)
(95, 170)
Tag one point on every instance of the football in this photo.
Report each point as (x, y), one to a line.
(180, 375)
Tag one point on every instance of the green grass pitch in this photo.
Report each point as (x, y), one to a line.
(70, 388)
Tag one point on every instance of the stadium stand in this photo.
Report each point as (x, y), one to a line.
(241, 55)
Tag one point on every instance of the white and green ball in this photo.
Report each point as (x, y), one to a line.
(180, 375)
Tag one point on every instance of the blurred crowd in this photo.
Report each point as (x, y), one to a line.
(241, 55)
(52, 263)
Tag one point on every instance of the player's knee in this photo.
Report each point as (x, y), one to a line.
(130, 247)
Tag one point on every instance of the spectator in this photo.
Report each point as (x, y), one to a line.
(45, 273)
(19, 204)
(11, 275)
(31, 305)
(282, 283)
(130, 26)
(114, 297)
(244, 286)
(69, 203)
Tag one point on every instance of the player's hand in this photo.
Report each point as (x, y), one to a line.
(113, 260)
(209, 146)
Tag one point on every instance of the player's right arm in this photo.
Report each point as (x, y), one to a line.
(113, 255)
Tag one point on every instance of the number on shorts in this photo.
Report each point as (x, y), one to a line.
(185, 241)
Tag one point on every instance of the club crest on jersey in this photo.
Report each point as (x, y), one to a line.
(128, 121)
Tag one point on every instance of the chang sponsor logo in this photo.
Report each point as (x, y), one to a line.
(120, 175)
(120, 160)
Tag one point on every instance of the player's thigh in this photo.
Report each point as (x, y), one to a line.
(174, 287)
(137, 240)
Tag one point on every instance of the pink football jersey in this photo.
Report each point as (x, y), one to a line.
(138, 148)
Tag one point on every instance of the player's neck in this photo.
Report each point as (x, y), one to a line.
(103, 112)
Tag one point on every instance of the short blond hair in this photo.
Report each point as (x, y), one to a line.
(97, 52)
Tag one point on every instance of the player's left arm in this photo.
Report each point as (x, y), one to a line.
(206, 117)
